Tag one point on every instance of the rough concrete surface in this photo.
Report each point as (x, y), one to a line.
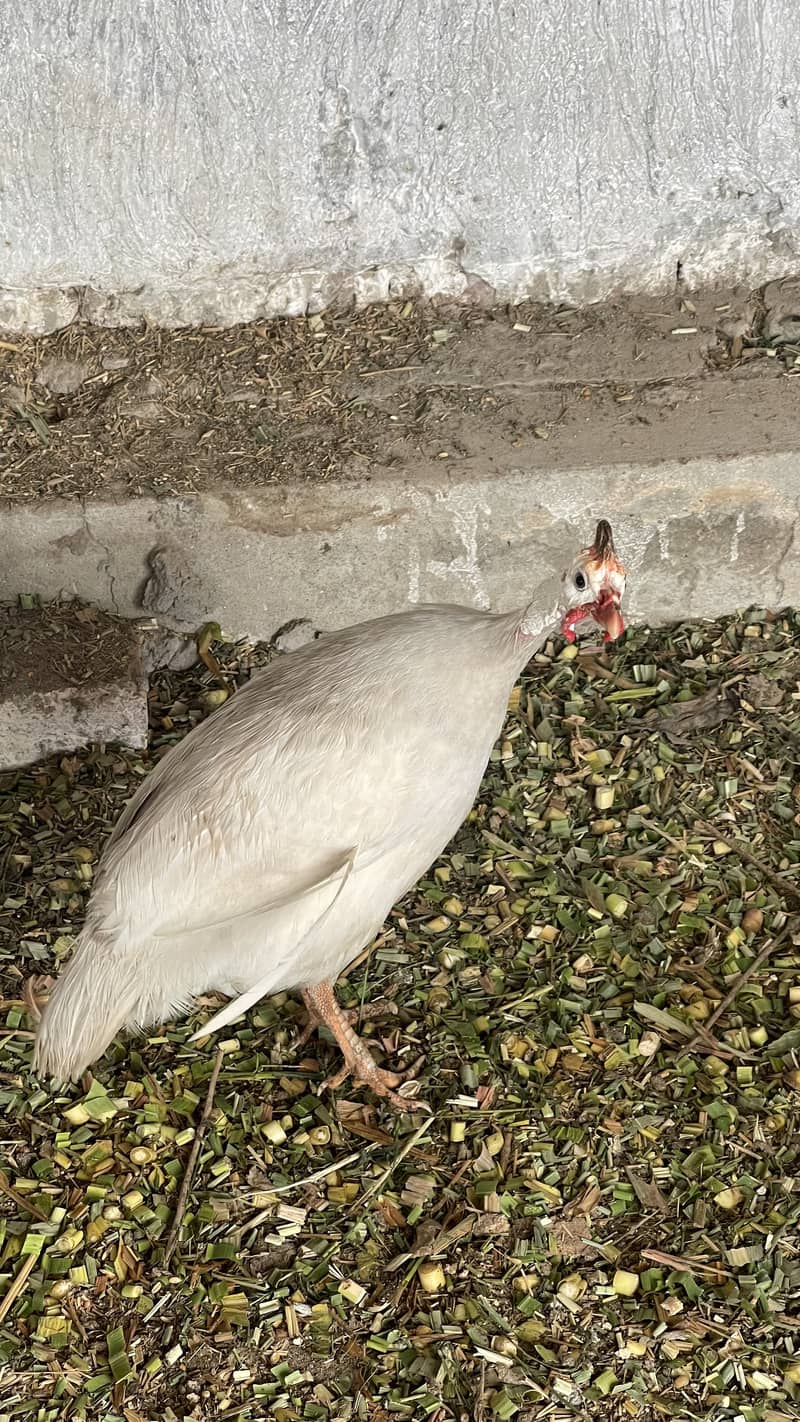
(698, 537)
(217, 162)
(375, 464)
(395, 391)
(69, 677)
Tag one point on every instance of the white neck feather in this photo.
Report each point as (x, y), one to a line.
(534, 624)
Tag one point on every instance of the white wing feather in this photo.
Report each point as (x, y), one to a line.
(240, 1004)
(265, 800)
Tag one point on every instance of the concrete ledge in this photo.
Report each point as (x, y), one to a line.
(699, 538)
(70, 676)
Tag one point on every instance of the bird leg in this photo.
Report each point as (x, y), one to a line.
(352, 1015)
(322, 1006)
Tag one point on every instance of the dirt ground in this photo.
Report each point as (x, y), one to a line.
(93, 412)
(61, 645)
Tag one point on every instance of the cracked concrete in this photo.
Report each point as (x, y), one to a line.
(699, 538)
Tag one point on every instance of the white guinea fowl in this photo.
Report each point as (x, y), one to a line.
(266, 849)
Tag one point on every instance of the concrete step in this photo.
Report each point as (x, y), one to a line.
(699, 538)
(71, 676)
(338, 468)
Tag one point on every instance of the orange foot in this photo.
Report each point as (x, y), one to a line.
(359, 1062)
(351, 1015)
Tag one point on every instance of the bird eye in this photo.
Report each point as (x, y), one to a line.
(580, 582)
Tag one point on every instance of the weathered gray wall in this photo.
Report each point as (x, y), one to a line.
(698, 537)
(222, 159)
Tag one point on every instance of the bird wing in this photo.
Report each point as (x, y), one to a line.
(240, 1004)
(295, 890)
(372, 737)
(215, 860)
(281, 792)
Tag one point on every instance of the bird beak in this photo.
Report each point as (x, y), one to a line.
(607, 615)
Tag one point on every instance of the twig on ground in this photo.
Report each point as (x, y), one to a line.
(743, 977)
(786, 886)
(19, 1200)
(191, 1164)
(17, 1285)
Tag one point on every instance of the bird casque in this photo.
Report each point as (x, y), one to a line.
(265, 850)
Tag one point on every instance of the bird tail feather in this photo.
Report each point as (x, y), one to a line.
(97, 994)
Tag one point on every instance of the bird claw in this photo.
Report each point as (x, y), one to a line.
(358, 1062)
(351, 1014)
(372, 1075)
(307, 1033)
(365, 1071)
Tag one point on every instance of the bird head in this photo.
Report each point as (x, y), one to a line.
(593, 586)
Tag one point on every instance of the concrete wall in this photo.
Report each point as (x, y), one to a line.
(216, 160)
(698, 538)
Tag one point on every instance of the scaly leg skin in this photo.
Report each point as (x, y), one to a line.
(322, 1006)
(368, 1012)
